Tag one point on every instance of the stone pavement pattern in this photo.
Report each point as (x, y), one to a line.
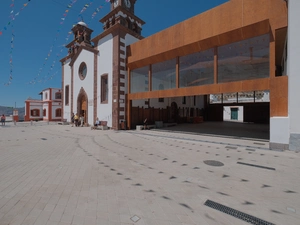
(63, 175)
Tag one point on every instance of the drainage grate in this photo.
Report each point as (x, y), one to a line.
(237, 214)
(263, 167)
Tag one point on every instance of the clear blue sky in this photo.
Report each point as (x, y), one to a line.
(40, 29)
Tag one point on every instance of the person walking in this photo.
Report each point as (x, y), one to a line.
(76, 120)
(81, 120)
(3, 120)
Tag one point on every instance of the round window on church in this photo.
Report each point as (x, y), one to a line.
(82, 71)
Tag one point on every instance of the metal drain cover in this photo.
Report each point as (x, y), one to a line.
(213, 163)
(237, 214)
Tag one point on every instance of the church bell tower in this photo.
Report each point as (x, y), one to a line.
(125, 28)
(122, 13)
(82, 37)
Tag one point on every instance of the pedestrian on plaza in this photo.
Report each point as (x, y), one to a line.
(3, 120)
(97, 123)
(76, 118)
(146, 124)
(72, 119)
(81, 120)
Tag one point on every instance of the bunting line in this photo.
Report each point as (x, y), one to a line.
(84, 8)
(13, 16)
(62, 19)
(11, 48)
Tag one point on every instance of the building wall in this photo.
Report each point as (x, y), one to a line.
(66, 81)
(53, 92)
(293, 72)
(45, 107)
(35, 105)
(55, 106)
(105, 63)
(46, 95)
(87, 84)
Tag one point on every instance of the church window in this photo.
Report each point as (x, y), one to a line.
(104, 88)
(44, 112)
(67, 95)
(57, 95)
(46, 95)
(82, 71)
(58, 113)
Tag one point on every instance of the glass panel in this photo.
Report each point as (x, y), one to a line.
(216, 98)
(247, 96)
(244, 60)
(262, 96)
(164, 75)
(230, 97)
(139, 80)
(196, 69)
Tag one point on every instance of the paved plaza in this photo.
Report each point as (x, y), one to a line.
(61, 175)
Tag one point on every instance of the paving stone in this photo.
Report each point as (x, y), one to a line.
(43, 182)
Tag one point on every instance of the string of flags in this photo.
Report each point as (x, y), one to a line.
(13, 16)
(97, 10)
(11, 47)
(47, 77)
(79, 17)
(50, 74)
(62, 19)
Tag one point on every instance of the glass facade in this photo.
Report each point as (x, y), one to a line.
(240, 97)
(164, 75)
(196, 69)
(139, 80)
(244, 60)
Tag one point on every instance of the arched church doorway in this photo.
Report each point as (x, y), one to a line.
(82, 105)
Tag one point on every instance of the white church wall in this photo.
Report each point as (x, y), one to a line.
(87, 84)
(67, 81)
(293, 73)
(105, 64)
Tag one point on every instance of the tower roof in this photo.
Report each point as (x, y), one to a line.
(82, 24)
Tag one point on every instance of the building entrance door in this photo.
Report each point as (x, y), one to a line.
(82, 106)
(234, 113)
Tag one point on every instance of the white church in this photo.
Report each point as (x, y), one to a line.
(94, 72)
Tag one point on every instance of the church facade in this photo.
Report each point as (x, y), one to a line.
(94, 72)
